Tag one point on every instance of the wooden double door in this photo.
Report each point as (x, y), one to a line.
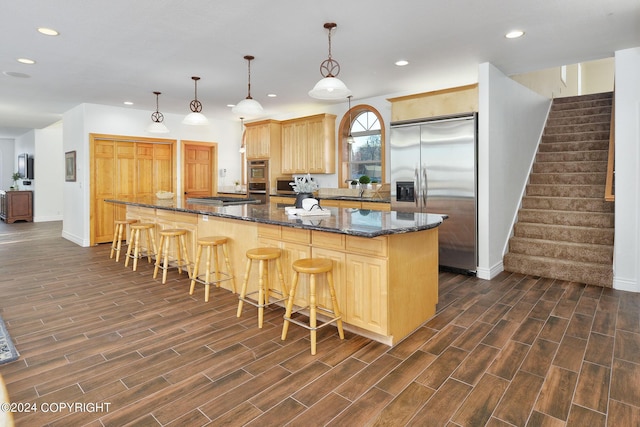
(126, 170)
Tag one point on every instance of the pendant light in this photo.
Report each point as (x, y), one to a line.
(156, 125)
(330, 87)
(195, 117)
(248, 106)
(242, 146)
(350, 139)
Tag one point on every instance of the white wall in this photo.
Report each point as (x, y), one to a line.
(8, 162)
(48, 179)
(626, 267)
(511, 118)
(85, 119)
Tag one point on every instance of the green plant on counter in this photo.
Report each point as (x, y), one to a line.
(364, 179)
(15, 177)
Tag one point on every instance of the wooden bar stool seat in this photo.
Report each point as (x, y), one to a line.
(313, 267)
(212, 243)
(135, 240)
(162, 260)
(119, 230)
(263, 256)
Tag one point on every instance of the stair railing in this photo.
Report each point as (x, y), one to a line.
(609, 189)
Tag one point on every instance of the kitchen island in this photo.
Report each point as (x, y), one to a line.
(385, 263)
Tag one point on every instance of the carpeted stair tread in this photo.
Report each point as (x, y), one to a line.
(570, 167)
(565, 233)
(574, 271)
(578, 128)
(551, 190)
(576, 178)
(602, 136)
(572, 156)
(580, 119)
(583, 252)
(580, 204)
(570, 218)
(577, 112)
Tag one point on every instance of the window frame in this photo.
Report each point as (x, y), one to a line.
(343, 133)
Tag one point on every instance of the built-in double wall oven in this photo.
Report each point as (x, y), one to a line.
(258, 180)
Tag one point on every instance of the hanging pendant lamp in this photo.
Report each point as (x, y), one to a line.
(242, 146)
(248, 106)
(350, 139)
(330, 87)
(156, 125)
(195, 117)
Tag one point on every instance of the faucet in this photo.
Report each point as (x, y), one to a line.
(361, 192)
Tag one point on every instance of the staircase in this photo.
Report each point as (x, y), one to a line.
(565, 227)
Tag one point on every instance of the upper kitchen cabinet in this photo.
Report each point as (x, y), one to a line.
(262, 139)
(445, 102)
(308, 144)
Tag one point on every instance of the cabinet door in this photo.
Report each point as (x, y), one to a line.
(144, 170)
(257, 142)
(294, 147)
(162, 167)
(366, 289)
(104, 170)
(323, 296)
(318, 147)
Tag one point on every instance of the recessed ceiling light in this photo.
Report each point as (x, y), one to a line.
(128, 103)
(48, 31)
(26, 61)
(231, 105)
(514, 34)
(16, 74)
(402, 63)
(271, 95)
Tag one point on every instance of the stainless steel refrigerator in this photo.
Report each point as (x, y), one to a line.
(434, 169)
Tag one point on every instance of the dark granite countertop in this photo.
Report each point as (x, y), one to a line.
(355, 222)
(354, 198)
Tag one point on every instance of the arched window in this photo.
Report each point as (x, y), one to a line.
(365, 156)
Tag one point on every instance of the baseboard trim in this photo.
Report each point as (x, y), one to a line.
(490, 273)
(75, 239)
(625, 285)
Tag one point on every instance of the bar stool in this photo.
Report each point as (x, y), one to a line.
(163, 252)
(135, 239)
(312, 267)
(212, 243)
(263, 255)
(119, 230)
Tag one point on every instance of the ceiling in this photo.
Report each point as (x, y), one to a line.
(113, 51)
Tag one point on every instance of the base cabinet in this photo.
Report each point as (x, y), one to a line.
(16, 206)
(386, 286)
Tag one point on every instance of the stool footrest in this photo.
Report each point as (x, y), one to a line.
(255, 303)
(172, 264)
(320, 310)
(199, 279)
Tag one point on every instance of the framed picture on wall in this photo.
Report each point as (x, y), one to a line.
(70, 166)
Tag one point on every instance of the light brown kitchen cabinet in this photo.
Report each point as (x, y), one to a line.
(262, 139)
(308, 144)
(125, 170)
(16, 206)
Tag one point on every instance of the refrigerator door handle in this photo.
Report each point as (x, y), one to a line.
(416, 180)
(425, 186)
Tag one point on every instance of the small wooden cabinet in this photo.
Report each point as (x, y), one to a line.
(308, 144)
(262, 139)
(16, 206)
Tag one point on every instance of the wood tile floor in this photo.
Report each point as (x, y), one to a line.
(513, 351)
